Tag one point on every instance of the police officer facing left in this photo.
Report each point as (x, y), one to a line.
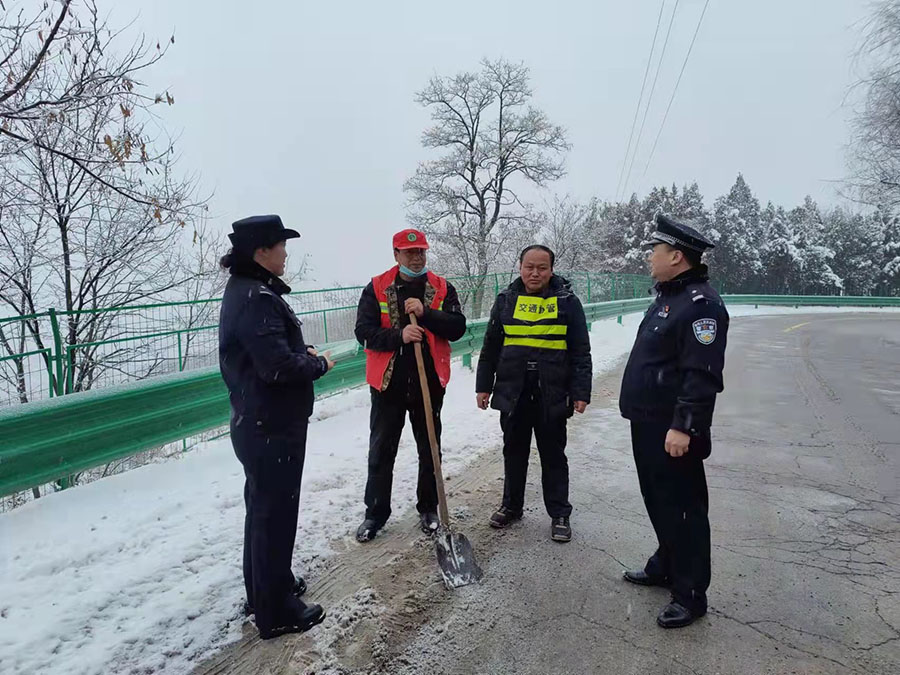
(269, 371)
(669, 392)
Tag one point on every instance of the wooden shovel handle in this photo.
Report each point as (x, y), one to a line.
(432, 436)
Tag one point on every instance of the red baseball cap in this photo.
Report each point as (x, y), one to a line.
(410, 239)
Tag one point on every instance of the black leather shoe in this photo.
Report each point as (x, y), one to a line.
(429, 522)
(298, 591)
(367, 530)
(503, 517)
(676, 615)
(312, 615)
(641, 578)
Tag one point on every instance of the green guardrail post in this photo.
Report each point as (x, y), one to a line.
(70, 374)
(57, 351)
(619, 319)
(180, 363)
(467, 360)
(613, 288)
(589, 290)
(325, 323)
(48, 358)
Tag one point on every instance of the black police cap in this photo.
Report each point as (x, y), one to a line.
(671, 232)
(259, 231)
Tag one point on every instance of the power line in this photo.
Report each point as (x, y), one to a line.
(637, 109)
(662, 57)
(674, 91)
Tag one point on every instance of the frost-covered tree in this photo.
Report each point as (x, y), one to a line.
(736, 232)
(492, 144)
(813, 271)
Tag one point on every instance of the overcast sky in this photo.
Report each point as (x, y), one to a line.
(306, 109)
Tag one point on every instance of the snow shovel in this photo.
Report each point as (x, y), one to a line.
(454, 552)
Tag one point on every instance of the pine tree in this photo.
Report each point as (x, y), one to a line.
(777, 253)
(813, 273)
(736, 233)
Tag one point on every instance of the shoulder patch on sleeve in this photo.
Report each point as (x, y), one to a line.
(264, 290)
(698, 297)
(705, 331)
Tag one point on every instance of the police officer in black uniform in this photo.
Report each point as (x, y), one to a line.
(269, 371)
(668, 392)
(536, 361)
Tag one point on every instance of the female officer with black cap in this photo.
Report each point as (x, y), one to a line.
(269, 372)
(668, 392)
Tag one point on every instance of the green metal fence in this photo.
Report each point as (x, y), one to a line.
(61, 352)
(62, 437)
(42, 443)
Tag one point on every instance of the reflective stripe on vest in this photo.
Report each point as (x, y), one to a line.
(540, 329)
(534, 342)
(530, 310)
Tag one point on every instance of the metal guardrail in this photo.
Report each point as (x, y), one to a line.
(57, 353)
(45, 441)
(812, 300)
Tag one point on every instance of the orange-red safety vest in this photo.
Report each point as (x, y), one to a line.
(377, 361)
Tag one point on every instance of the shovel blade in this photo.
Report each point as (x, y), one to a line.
(456, 558)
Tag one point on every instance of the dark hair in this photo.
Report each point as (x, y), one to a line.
(539, 247)
(234, 257)
(693, 257)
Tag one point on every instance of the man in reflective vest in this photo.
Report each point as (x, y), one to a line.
(383, 327)
(536, 361)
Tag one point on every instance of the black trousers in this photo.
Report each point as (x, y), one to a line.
(677, 501)
(388, 415)
(273, 468)
(529, 416)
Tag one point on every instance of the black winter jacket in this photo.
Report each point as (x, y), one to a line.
(675, 368)
(262, 354)
(564, 375)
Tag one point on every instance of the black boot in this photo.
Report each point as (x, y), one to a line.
(429, 522)
(298, 591)
(560, 530)
(312, 615)
(367, 530)
(503, 517)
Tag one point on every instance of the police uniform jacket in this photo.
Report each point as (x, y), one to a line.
(675, 368)
(262, 354)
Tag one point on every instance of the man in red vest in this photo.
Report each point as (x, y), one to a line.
(383, 327)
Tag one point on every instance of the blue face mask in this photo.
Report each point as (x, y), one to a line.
(408, 272)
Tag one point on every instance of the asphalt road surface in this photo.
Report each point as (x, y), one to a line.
(805, 516)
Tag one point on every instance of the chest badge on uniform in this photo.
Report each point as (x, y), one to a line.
(705, 331)
(664, 313)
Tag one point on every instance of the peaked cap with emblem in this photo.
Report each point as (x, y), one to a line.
(678, 235)
(410, 238)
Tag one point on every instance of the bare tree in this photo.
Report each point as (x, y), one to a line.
(203, 285)
(566, 227)
(493, 144)
(875, 150)
(92, 208)
(57, 63)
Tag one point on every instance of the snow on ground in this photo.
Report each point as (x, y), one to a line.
(141, 572)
